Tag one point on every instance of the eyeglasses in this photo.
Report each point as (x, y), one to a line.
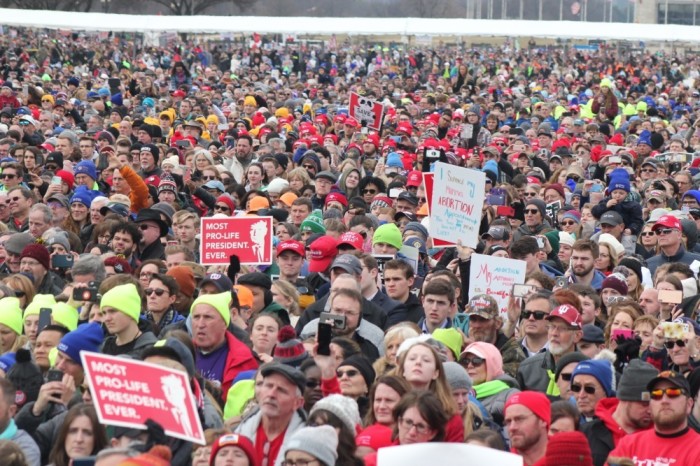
(671, 343)
(475, 361)
(298, 462)
(222, 207)
(8, 176)
(647, 170)
(568, 224)
(369, 191)
(538, 315)
(532, 211)
(566, 377)
(576, 388)
(671, 392)
(664, 231)
(349, 373)
(409, 424)
(558, 329)
(159, 292)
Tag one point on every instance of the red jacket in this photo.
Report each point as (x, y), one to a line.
(238, 359)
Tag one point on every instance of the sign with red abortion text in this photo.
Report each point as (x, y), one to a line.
(250, 238)
(457, 202)
(127, 393)
(366, 110)
(428, 180)
(495, 276)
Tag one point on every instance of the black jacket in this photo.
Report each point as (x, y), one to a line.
(155, 250)
(395, 310)
(370, 312)
(600, 440)
(414, 308)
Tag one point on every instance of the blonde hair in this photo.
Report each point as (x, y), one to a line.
(290, 292)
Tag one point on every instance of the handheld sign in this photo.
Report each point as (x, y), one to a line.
(458, 199)
(250, 238)
(127, 393)
(495, 276)
(366, 110)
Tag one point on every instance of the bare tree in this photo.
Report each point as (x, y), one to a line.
(53, 5)
(198, 7)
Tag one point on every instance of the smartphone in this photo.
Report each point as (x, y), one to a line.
(56, 180)
(334, 320)
(505, 211)
(675, 330)
(62, 261)
(521, 291)
(44, 318)
(396, 139)
(394, 192)
(615, 159)
(114, 85)
(625, 333)
(670, 296)
(325, 334)
(183, 143)
(540, 242)
(496, 199)
(87, 461)
(86, 294)
(54, 375)
(561, 282)
(432, 154)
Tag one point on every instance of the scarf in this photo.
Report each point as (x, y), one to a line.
(10, 431)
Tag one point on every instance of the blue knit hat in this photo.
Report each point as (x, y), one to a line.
(393, 160)
(86, 167)
(87, 337)
(619, 179)
(7, 360)
(601, 369)
(491, 166)
(83, 195)
(644, 138)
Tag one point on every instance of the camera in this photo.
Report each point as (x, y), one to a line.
(89, 294)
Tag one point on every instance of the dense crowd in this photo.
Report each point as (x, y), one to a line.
(112, 152)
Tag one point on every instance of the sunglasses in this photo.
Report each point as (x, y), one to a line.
(577, 387)
(309, 167)
(208, 178)
(568, 224)
(647, 233)
(157, 291)
(529, 194)
(221, 207)
(647, 170)
(670, 344)
(51, 167)
(475, 361)
(669, 392)
(664, 231)
(566, 377)
(8, 176)
(575, 179)
(532, 211)
(369, 191)
(539, 315)
(349, 373)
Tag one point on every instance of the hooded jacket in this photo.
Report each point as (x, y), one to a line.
(603, 432)
(494, 393)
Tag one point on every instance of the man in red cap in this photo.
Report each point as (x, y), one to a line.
(527, 416)
(370, 146)
(669, 232)
(564, 331)
(350, 125)
(290, 259)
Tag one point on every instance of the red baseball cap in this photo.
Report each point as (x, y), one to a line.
(323, 251)
(337, 197)
(291, 245)
(340, 118)
(405, 127)
(179, 93)
(350, 121)
(415, 178)
(568, 313)
(668, 221)
(351, 238)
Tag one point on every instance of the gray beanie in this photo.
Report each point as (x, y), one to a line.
(59, 238)
(634, 380)
(457, 376)
(345, 408)
(320, 442)
(417, 227)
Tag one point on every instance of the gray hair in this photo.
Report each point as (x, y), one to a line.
(44, 209)
(89, 264)
(107, 452)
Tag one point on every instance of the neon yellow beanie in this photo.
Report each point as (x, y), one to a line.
(125, 299)
(11, 314)
(219, 301)
(66, 315)
(39, 301)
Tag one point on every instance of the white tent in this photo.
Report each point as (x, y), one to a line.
(351, 26)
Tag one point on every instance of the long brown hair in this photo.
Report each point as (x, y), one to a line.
(59, 456)
(430, 409)
(396, 383)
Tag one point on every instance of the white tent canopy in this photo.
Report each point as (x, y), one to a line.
(351, 26)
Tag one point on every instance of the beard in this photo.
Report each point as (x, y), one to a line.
(669, 420)
(582, 272)
(557, 349)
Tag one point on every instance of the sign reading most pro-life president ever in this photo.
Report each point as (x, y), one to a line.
(250, 238)
(458, 198)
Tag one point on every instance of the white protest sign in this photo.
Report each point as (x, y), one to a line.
(445, 454)
(495, 276)
(458, 199)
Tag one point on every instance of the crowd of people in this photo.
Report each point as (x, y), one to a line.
(111, 153)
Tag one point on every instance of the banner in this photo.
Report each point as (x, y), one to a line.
(457, 203)
(250, 238)
(366, 110)
(495, 276)
(445, 454)
(127, 393)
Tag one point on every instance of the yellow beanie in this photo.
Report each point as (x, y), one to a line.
(11, 314)
(125, 299)
(282, 112)
(219, 301)
(212, 119)
(39, 301)
(250, 100)
(151, 121)
(66, 315)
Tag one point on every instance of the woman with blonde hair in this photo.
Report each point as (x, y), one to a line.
(298, 178)
(23, 288)
(287, 295)
(393, 338)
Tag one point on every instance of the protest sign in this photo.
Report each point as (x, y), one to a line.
(381, 260)
(495, 276)
(127, 393)
(458, 199)
(250, 238)
(409, 254)
(366, 110)
(445, 454)
(428, 182)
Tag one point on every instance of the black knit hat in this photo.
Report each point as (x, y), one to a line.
(255, 279)
(363, 365)
(26, 377)
(634, 265)
(290, 350)
(568, 359)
